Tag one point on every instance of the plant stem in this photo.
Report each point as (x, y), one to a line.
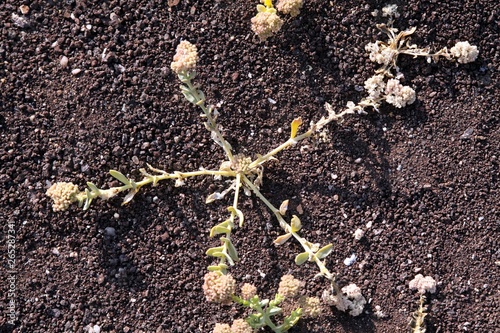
(211, 122)
(106, 194)
(288, 229)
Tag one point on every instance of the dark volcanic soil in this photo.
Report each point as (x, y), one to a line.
(430, 193)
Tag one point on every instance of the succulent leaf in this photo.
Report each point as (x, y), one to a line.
(284, 207)
(238, 212)
(301, 258)
(93, 188)
(212, 250)
(324, 251)
(282, 239)
(218, 229)
(119, 176)
(295, 223)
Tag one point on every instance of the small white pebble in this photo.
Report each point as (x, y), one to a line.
(369, 225)
(55, 251)
(64, 61)
(272, 101)
(116, 215)
(358, 234)
(351, 260)
(76, 71)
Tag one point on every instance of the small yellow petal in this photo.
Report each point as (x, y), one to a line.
(295, 126)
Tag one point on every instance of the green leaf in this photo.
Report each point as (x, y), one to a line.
(231, 249)
(301, 258)
(256, 320)
(201, 94)
(218, 254)
(237, 212)
(295, 223)
(218, 229)
(88, 200)
(93, 188)
(291, 320)
(275, 310)
(190, 97)
(219, 268)
(185, 88)
(120, 176)
(324, 251)
(213, 250)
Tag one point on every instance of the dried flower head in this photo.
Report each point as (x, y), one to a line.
(266, 23)
(464, 52)
(423, 284)
(291, 7)
(219, 288)
(185, 57)
(248, 291)
(375, 86)
(241, 326)
(350, 300)
(221, 328)
(289, 286)
(397, 94)
(390, 11)
(380, 53)
(311, 306)
(63, 194)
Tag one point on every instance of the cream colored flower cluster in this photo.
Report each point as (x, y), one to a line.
(185, 58)
(290, 7)
(238, 326)
(423, 284)
(289, 286)
(464, 52)
(219, 288)
(311, 306)
(248, 291)
(266, 23)
(63, 194)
